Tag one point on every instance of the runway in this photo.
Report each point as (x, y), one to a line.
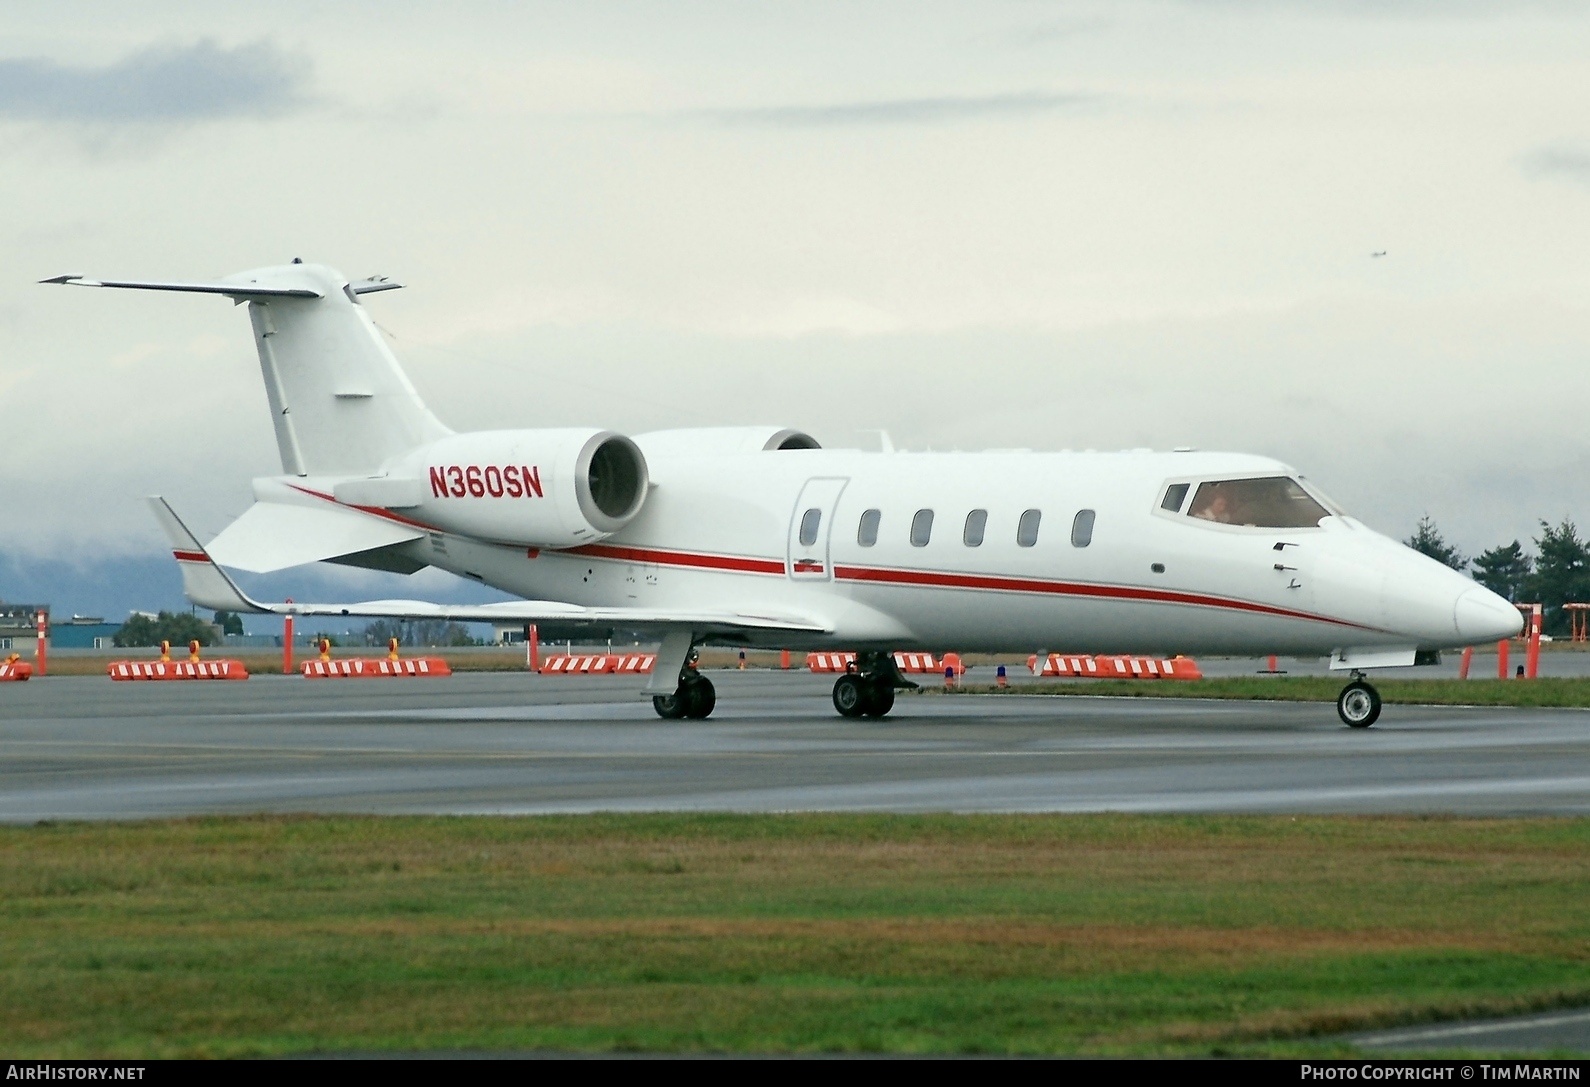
(85, 748)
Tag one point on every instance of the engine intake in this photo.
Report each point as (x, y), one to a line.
(610, 480)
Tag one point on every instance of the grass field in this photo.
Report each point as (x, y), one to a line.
(1073, 934)
(1430, 692)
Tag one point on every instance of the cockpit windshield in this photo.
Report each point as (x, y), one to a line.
(1271, 502)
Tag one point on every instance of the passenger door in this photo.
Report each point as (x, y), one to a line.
(811, 528)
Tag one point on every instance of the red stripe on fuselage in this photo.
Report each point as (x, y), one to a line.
(689, 559)
(998, 583)
(191, 556)
(884, 576)
(373, 511)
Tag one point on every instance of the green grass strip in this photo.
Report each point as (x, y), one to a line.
(1428, 692)
(766, 933)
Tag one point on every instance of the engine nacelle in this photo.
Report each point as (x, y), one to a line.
(534, 488)
(718, 441)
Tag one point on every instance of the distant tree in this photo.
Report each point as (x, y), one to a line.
(1427, 540)
(417, 632)
(229, 621)
(382, 631)
(330, 638)
(1505, 570)
(1562, 572)
(178, 628)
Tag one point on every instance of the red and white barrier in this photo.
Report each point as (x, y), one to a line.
(15, 671)
(124, 671)
(375, 668)
(599, 664)
(1114, 667)
(907, 663)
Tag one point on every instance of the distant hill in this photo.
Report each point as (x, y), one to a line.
(115, 586)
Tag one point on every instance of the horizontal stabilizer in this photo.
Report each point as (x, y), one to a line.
(208, 586)
(234, 290)
(274, 535)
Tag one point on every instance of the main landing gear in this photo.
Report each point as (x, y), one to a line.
(868, 690)
(1359, 704)
(695, 696)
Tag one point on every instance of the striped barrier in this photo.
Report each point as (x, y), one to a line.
(1074, 666)
(599, 664)
(907, 663)
(15, 671)
(375, 668)
(123, 671)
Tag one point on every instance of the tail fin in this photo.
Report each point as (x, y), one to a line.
(340, 402)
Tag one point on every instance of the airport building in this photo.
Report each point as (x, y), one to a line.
(83, 632)
(19, 629)
(18, 626)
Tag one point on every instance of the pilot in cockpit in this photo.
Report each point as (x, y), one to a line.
(1211, 503)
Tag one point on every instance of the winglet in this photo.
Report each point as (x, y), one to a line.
(205, 583)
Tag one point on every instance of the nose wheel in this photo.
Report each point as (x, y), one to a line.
(1359, 704)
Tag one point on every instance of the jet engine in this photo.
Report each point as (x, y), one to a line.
(719, 441)
(533, 488)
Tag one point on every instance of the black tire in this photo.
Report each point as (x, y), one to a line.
(670, 707)
(850, 696)
(1358, 705)
(699, 698)
(881, 700)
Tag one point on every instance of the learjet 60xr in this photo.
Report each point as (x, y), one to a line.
(756, 536)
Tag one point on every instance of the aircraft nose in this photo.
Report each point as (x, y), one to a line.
(1482, 616)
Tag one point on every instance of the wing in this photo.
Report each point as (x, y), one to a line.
(208, 586)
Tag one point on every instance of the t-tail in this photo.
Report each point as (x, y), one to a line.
(339, 401)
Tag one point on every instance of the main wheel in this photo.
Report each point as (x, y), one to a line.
(1358, 705)
(699, 697)
(881, 699)
(850, 696)
(670, 707)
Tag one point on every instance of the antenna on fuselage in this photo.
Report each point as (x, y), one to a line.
(885, 443)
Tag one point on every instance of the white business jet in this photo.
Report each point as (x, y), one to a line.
(755, 536)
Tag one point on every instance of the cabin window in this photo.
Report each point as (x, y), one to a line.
(1271, 502)
(921, 528)
(1082, 528)
(867, 531)
(1027, 528)
(810, 520)
(976, 522)
(1175, 495)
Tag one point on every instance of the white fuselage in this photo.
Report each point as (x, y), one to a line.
(726, 528)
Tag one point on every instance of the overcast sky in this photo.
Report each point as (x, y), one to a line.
(974, 225)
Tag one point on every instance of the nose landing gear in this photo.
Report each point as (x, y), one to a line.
(1359, 703)
(869, 690)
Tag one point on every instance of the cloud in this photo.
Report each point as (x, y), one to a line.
(163, 84)
(902, 111)
(1559, 164)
